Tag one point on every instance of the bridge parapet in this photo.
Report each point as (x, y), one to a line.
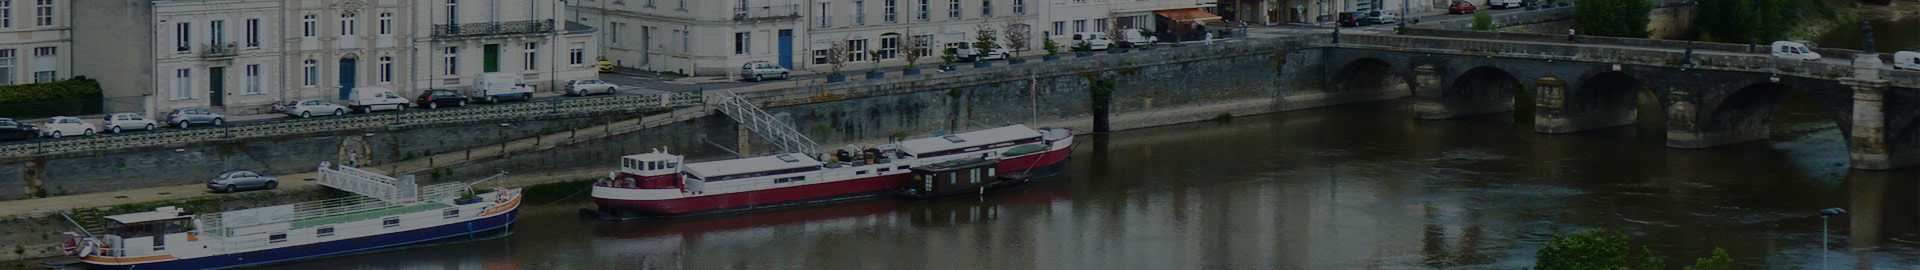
(1586, 52)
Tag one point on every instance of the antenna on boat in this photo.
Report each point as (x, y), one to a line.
(76, 224)
(470, 185)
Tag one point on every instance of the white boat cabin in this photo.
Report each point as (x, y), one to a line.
(650, 164)
(754, 167)
(991, 141)
(143, 233)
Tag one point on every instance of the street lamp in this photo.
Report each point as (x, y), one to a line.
(1824, 214)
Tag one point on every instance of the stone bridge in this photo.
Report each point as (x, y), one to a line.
(1719, 94)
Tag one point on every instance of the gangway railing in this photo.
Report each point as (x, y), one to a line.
(779, 133)
(370, 184)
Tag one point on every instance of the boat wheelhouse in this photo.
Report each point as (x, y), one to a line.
(388, 212)
(961, 176)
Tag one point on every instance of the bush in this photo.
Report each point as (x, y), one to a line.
(1482, 21)
(78, 88)
(1613, 18)
(1594, 250)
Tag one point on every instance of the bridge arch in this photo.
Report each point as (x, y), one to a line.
(1483, 90)
(1369, 75)
(1610, 99)
(1748, 113)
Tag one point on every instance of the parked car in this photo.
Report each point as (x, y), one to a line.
(435, 98)
(968, 54)
(1353, 19)
(1096, 40)
(582, 87)
(1908, 60)
(1793, 50)
(14, 130)
(184, 117)
(369, 99)
(1505, 4)
(61, 126)
(761, 70)
(1136, 37)
(308, 108)
(120, 121)
(235, 180)
(1462, 7)
(494, 87)
(1383, 17)
(604, 65)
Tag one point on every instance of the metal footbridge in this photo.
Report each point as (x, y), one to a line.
(775, 131)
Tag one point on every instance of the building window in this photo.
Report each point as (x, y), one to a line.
(683, 4)
(889, 46)
(253, 79)
(819, 57)
(1100, 25)
(1019, 6)
(924, 40)
(347, 23)
(452, 55)
(45, 76)
(453, 11)
(532, 51)
(890, 15)
(577, 53)
(253, 33)
(953, 9)
(1059, 27)
(856, 50)
(826, 17)
(386, 69)
(312, 71)
(6, 14)
(1080, 26)
(182, 37)
(613, 32)
(309, 23)
(386, 23)
(182, 84)
(741, 43)
(922, 15)
(6, 66)
(216, 33)
(859, 12)
(43, 14)
(986, 8)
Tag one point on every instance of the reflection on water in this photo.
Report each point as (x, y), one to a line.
(1355, 187)
(1888, 36)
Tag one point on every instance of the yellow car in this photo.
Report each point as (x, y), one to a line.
(606, 66)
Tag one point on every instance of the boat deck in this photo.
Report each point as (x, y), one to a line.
(366, 214)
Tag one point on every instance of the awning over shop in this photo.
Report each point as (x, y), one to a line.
(1188, 15)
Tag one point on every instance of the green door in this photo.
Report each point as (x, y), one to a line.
(493, 58)
(217, 86)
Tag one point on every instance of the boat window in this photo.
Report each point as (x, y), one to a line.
(390, 222)
(989, 171)
(670, 165)
(323, 231)
(953, 177)
(450, 213)
(954, 139)
(860, 172)
(903, 167)
(884, 170)
(277, 237)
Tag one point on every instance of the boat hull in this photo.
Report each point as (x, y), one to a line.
(1049, 163)
(480, 228)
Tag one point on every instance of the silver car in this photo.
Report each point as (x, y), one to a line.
(311, 107)
(184, 117)
(761, 70)
(236, 180)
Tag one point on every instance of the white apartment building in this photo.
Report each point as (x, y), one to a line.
(217, 53)
(459, 40)
(36, 38)
(712, 38)
(333, 46)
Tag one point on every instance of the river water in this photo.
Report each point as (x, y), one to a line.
(1354, 187)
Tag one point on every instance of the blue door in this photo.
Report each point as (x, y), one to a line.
(346, 77)
(786, 48)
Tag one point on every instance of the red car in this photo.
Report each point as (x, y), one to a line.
(1461, 7)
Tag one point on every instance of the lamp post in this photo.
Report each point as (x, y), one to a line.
(1824, 215)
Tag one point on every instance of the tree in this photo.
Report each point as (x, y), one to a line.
(1612, 18)
(983, 41)
(1053, 48)
(874, 56)
(915, 48)
(1017, 36)
(837, 55)
(1482, 21)
(1597, 249)
(1719, 260)
(1114, 32)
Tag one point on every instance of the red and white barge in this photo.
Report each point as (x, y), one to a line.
(658, 184)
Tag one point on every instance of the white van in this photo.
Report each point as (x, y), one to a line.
(496, 86)
(1793, 50)
(1506, 4)
(1137, 37)
(369, 99)
(1908, 60)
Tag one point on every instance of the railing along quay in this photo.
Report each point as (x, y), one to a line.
(361, 122)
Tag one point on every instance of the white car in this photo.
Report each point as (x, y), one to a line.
(1793, 50)
(123, 121)
(369, 99)
(61, 126)
(583, 87)
(311, 107)
(1095, 40)
(1908, 60)
(1137, 37)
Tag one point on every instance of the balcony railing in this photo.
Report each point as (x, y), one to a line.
(492, 29)
(766, 13)
(219, 50)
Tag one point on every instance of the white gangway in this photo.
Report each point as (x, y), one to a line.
(374, 185)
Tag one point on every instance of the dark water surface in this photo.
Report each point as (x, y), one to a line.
(1354, 187)
(1888, 36)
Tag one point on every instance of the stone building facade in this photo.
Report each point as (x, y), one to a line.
(35, 41)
